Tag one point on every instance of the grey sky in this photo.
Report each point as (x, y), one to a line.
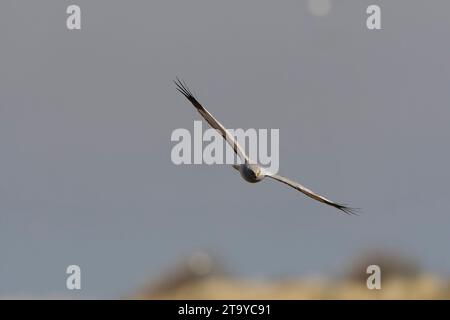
(86, 118)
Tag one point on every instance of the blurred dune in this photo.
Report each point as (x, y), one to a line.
(202, 277)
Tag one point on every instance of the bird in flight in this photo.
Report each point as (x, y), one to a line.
(249, 171)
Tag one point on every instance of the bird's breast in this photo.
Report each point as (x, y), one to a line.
(249, 174)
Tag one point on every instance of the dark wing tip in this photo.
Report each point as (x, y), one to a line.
(348, 210)
(183, 88)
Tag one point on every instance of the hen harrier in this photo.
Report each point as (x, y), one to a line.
(252, 172)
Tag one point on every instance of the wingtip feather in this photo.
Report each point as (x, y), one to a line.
(183, 88)
(348, 210)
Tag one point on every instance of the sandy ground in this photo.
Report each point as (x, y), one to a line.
(422, 287)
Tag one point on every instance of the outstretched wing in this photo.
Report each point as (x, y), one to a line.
(313, 195)
(183, 88)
